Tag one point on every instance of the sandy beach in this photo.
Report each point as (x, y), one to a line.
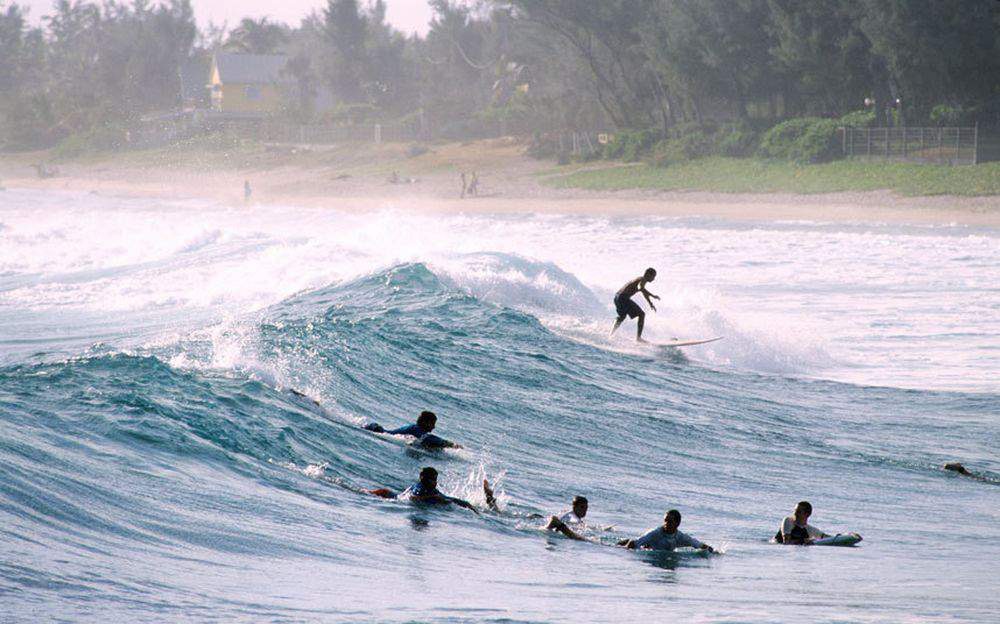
(361, 178)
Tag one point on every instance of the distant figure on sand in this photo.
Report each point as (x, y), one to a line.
(626, 307)
(474, 184)
(464, 185)
(247, 191)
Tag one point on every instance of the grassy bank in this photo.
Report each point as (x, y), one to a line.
(732, 175)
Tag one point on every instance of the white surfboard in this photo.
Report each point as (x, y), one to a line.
(843, 539)
(684, 343)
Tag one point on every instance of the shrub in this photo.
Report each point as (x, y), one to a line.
(97, 139)
(944, 115)
(544, 146)
(858, 119)
(803, 140)
(697, 144)
(630, 145)
(737, 139)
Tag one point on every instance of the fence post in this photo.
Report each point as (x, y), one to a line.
(975, 144)
(940, 150)
(922, 152)
(868, 134)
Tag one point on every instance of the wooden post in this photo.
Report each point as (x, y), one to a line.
(886, 146)
(975, 144)
(868, 133)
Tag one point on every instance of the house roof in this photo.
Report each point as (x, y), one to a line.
(250, 68)
(194, 75)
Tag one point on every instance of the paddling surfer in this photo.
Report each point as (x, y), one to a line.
(665, 537)
(421, 431)
(625, 306)
(796, 530)
(424, 492)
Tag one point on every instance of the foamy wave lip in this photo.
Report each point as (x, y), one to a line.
(518, 282)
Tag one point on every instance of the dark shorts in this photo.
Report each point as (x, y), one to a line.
(626, 307)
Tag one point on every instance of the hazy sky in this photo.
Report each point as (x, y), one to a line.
(407, 15)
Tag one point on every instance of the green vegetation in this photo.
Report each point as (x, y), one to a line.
(733, 175)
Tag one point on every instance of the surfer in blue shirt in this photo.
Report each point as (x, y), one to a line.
(421, 431)
(425, 491)
(625, 306)
(665, 537)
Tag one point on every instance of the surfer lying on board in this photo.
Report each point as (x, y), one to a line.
(421, 431)
(572, 519)
(795, 529)
(626, 307)
(666, 536)
(424, 492)
(565, 522)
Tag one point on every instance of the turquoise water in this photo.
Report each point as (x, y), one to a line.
(157, 467)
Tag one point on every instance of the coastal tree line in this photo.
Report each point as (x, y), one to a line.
(650, 65)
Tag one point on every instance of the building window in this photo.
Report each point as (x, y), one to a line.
(252, 93)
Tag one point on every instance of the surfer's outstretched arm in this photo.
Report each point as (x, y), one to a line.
(461, 503)
(649, 297)
(555, 524)
(491, 500)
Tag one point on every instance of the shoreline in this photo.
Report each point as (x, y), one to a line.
(511, 183)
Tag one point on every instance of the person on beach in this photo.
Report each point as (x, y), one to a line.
(796, 530)
(421, 431)
(424, 492)
(247, 191)
(625, 306)
(665, 536)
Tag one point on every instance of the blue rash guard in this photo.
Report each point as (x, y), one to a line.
(425, 437)
(418, 491)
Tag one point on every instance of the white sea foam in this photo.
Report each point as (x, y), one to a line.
(892, 305)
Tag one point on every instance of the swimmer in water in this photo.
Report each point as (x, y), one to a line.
(424, 492)
(421, 431)
(666, 536)
(796, 530)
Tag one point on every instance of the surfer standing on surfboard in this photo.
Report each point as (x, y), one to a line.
(626, 307)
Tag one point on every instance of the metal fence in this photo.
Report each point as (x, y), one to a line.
(950, 146)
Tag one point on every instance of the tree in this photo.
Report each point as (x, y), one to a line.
(259, 36)
(345, 30)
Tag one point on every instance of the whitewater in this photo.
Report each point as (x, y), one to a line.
(158, 467)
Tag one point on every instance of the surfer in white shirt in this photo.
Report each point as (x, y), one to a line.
(666, 536)
(566, 522)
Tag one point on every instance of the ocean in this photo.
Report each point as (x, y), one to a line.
(157, 465)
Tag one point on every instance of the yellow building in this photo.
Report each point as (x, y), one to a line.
(247, 84)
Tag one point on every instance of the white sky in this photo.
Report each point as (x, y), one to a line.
(406, 15)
